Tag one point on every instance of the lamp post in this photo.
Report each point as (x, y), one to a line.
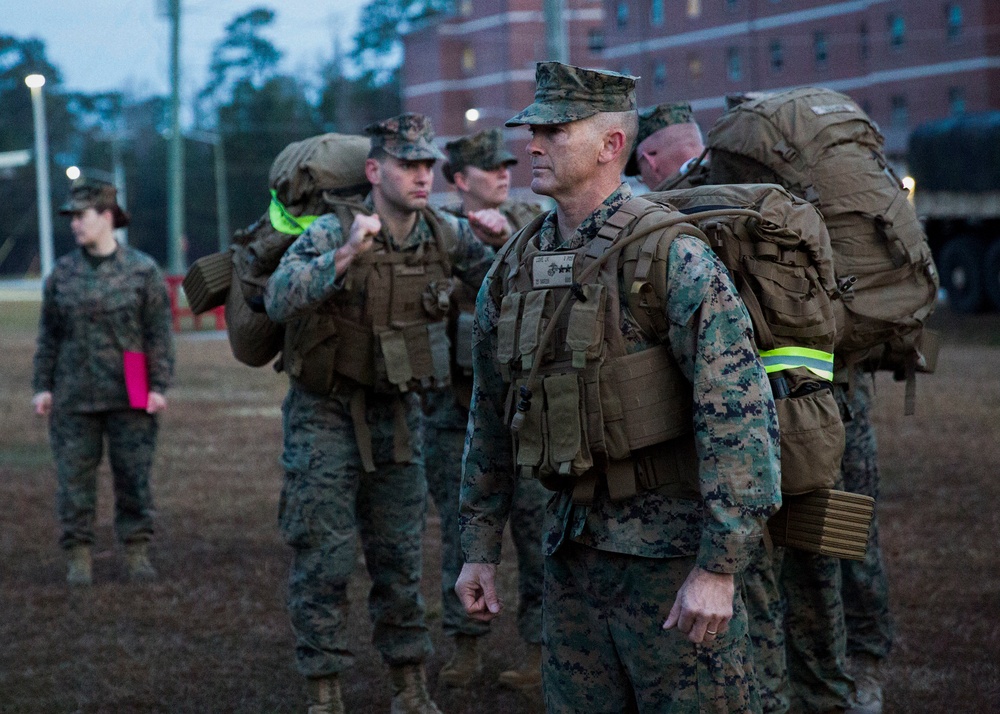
(35, 83)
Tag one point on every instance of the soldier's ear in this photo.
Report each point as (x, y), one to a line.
(373, 171)
(615, 144)
(461, 183)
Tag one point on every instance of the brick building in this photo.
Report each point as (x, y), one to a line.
(904, 61)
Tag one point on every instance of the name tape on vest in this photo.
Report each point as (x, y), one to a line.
(549, 271)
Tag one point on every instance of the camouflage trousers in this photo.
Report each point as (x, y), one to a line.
(605, 649)
(444, 447)
(865, 586)
(765, 617)
(327, 502)
(77, 440)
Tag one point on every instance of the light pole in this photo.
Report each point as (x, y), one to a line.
(35, 83)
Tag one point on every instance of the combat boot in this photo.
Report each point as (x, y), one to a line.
(529, 676)
(79, 565)
(867, 673)
(409, 691)
(324, 695)
(464, 665)
(137, 562)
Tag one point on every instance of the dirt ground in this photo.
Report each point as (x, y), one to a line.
(212, 635)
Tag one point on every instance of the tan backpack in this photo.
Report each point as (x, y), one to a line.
(821, 146)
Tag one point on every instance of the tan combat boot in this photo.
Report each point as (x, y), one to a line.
(409, 687)
(79, 565)
(464, 665)
(324, 695)
(529, 676)
(137, 562)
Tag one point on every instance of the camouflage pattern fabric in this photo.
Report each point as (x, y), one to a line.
(485, 150)
(517, 213)
(327, 501)
(865, 588)
(408, 137)
(77, 441)
(765, 620)
(564, 93)
(87, 192)
(444, 442)
(90, 316)
(604, 651)
(655, 118)
(736, 431)
(326, 498)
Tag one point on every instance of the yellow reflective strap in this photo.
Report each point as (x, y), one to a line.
(285, 222)
(816, 361)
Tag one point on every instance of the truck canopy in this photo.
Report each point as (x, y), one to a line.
(960, 154)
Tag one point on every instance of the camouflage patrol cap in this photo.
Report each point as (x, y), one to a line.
(564, 93)
(651, 121)
(86, 192)
(485, 150)
(408, 137)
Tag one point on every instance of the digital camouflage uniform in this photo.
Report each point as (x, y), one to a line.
(93, 310)
(865, 586)
(328, 498)
(613, 569)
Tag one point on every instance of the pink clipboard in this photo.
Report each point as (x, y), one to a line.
(136, 380)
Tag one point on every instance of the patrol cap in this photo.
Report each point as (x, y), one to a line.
(408, 137)
(651, 121)
(485, 150)
(87, 192)
(564, 93)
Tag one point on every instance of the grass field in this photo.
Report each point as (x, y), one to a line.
(212, 635)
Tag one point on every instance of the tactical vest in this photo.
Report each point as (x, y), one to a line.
(582, 408)
(386, 330)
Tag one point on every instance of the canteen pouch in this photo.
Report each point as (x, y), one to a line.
(812, 441)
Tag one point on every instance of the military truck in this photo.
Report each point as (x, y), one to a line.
(955, 164)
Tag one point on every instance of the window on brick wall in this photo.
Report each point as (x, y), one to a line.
(621, 14)
(953, 16)
(899, 112)
(465, 8)
(863, 48)
(660, 74)
(777, 56)
(734, 68)
(820, 49)
(897, 30)
(693, 8)
(656, 12)
(694, 67)
(731, 4)
(956, 100)
(595, 39)
(468, 60)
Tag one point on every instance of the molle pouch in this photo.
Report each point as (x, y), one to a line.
(436, 298)
(812, 439)
(529, 444)
(538, 308)
(395, 360)
(585, 333)
(568, 454)
(507, 333)
(311, 352)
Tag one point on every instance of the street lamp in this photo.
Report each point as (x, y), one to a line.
(35, 83)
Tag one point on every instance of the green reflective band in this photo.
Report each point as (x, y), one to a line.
(817, 362)
(285, 222)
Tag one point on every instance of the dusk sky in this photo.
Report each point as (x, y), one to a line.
(124, 45)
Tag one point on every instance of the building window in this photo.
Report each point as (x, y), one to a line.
(897, 31)
(863, 48)
(731, 4)
(622, 14)
(660, 74)
(693, 8)
(733, 67)
(820, 49)
(956, 100)
(595, 40)
(899, 115)
(694, 67)
(468, 60)
(656, 12)
(953, 15)
(465, 8)
(777, 56)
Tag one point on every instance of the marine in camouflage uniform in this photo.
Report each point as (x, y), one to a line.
(614, 568)
(485, 187)
(667, 148)
(328, 498)
(99, 302)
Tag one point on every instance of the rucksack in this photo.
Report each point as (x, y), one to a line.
(821, 146)
(782, 266)
(321, 174)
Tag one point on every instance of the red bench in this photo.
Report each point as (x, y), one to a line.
(178, 311)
